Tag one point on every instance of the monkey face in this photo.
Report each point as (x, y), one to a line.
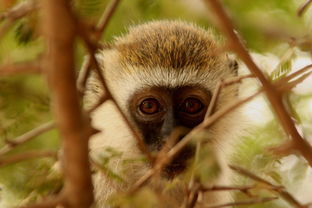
(158, 111)
(161, 75)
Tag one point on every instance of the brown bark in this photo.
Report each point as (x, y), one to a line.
(59, 31)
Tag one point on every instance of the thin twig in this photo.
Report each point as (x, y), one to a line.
(50, 202)
(304, 7)
(98, 103)
(219, 86)
(16, 13)
(297, 73)
(100, 29)
(193, 196)
(26, 137)
(244, 203)
(294, 83)
(19, 10)
(276, 189)
(7, 160)
(106, 17)
(273, 95)
(253, 176)
(20, 68)
(226, 188)
(214, 99)
(172, 139)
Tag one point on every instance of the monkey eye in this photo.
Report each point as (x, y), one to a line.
(150, 106)
(191, 106)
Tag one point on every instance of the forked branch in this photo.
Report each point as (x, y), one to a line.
(273, 95)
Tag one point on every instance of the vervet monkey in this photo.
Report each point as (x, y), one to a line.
(162, 74)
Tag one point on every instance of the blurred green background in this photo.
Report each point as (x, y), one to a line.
(270, 28)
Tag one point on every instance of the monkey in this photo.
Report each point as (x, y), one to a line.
(162, 74)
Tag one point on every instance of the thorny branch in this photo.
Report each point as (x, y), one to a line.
(272, 93)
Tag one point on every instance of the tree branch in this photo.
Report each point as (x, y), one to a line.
(60, 70)
(20, 68)
(12, 143)
(7, 160)
(19, 10)
(304, 7)
(100, 29)
(16, 13)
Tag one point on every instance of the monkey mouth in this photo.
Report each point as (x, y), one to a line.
(179, 162)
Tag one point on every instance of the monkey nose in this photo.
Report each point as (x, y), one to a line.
(178, 133)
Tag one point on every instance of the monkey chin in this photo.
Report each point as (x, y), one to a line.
(179, 163)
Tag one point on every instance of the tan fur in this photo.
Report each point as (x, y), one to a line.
(160, 53)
